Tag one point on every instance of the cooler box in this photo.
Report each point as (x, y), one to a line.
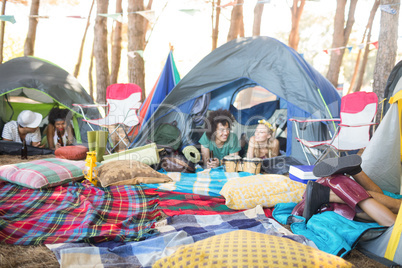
(302, 173)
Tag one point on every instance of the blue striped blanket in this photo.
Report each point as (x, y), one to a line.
(204, 182)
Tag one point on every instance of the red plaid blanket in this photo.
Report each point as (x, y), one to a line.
(75, 212)
(174, 203)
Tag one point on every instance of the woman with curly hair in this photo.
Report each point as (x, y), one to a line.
(59, 134)
(218, 142)
(263, 144)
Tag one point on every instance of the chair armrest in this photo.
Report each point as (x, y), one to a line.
(357, 125)
(314, 120)
(89, 105)
(303, 123)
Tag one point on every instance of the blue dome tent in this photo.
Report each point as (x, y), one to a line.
(219, 79)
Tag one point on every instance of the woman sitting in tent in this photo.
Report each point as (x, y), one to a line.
(59, 134)
(25, 128)
(218, 142)
(263, 144)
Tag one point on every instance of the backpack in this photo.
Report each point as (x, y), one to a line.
(167, 135)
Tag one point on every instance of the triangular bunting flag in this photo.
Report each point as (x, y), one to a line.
(350, 49)
(375, 44)
(388, 9)
(116, 16)
(76, 17)
(9, 18)
(149, 15)
(190, 12)
(132, 54)
(337, 51)
(326, 51)
(233, 3)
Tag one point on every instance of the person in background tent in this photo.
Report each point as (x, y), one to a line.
(263, 144)
(218, 142)
(25, 128)
(58, 133)
(360, 198)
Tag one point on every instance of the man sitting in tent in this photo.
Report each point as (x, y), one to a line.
(218, 142)
(25, 128)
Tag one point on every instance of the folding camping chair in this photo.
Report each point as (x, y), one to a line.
(123, 102)
(358, 111)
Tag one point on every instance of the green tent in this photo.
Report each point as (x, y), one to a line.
(29, 83)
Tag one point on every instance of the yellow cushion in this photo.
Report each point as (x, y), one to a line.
(249, 249)
(265, 190)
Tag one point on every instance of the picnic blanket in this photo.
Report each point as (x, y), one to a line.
(174, 232)
(75, 212)
(331, 232)
(174, 203)
(204, 182)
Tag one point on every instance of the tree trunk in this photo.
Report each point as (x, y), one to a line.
(236, 21)
(78, 65)
(215, 30)
(90, 78)
(296, 11)
(116, 46)
(258, 9)
(100, 52)
(340, 38)
(241, 26)
(136, 43)
(2, 27)
(356, 87)
(29, 46)
(387, 49)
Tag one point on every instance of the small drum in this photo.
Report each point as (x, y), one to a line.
(252, 165)
(232, 163)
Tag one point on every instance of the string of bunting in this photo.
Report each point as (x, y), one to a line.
(361, 46)
(338, 49)
(150, 14)
(386, 7)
